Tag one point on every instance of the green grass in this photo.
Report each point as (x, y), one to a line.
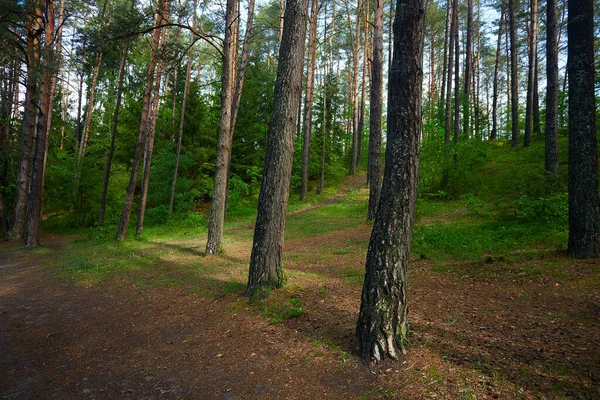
(284, 312)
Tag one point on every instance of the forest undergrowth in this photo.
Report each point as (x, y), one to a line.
(497, 309)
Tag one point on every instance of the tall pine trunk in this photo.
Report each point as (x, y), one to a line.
(531, 75)
(266, 269)
(34, 201)
(308, 102)
(584, 201)
(216, 216)
(151, 134)
(376, 104)
(514, 80)
(30, 108)
(139, 147)
(448, 119)
(551, 131)
(494, 133)
(382, 326)
(467, 74)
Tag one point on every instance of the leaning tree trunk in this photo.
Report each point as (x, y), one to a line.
(494, 133)
(531, 73)
(267, 249)
(310, 90)
(216, 216)
(34, 202)
(113, 135)
(584, 201)
(139, 228)
(139, 147)
(34, 30)
(551, 150)
(382, 326)
(514, 82)
(376, 108)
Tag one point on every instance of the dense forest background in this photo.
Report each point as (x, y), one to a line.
(107, 65)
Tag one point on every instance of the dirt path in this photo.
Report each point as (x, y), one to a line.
(496, 330)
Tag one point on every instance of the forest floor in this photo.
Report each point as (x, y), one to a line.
(154, 318)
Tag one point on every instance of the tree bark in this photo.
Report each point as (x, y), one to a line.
(150, 135)
(34, 202)
(531, 75)
(456, 78)
(494, 133)
(267, 249)
(216, 216)
(448, 128)
(376, 112)
(310, 90)
(113, 135)
(467, 74)
(514, 80)
(139, 147)
(445, 58)
(382, 326)
(34, 32)
(551, 131)
(584, 201)
(361, 113)
(355, 43)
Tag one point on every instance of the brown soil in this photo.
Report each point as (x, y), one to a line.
(504, 334)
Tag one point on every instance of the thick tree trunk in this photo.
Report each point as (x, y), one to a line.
(376, 110)
(267, 249)
(310, 90)
(382, 326)
(216, 216)
(34, 202)
(494, 133)
(551, 131)
(139, 147)
(514, 80)
(113, 135)
(30, 108)
(531, 75)
(584, 201)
